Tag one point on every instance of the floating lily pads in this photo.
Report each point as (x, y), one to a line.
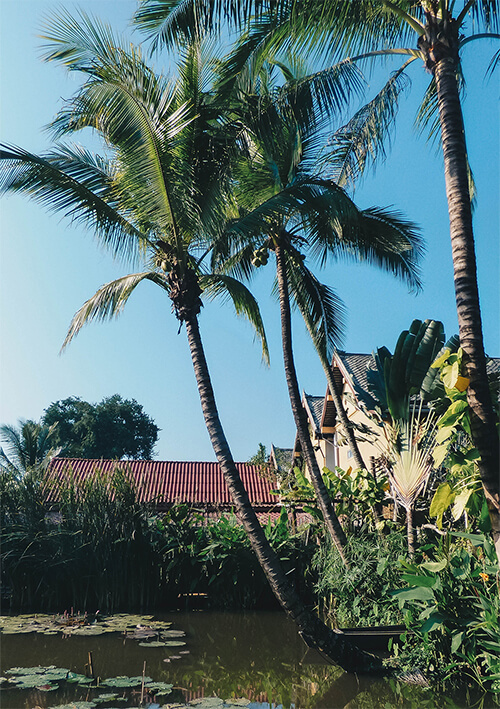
(105, 698)
(173, 634)
(123, 681)
(38, 670)
(207, 703)
(159, 688)
(75, 705)
(74, 677)
(154, 643)
(237, 702)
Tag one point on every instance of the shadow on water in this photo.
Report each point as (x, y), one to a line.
(254, 655)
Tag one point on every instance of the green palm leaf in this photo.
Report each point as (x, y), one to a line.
(108, 302)
(72, 181)
(221, 285)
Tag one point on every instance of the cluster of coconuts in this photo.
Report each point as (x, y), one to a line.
(260, 257)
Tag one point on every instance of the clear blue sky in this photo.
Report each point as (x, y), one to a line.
(49, 268)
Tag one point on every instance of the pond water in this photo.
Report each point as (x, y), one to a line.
(256, 656)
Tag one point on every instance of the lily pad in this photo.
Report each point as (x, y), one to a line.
(38, 670)
(174, 643)
(75, 705)
(206, 703)
(173, 634)
(238, 702)
(159, 687)
(105, 698)
(153, 643)
(123, 681)
(74, 677)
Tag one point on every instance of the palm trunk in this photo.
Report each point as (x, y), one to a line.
(483, 420)
(410, 531)
(314, 632)
(325, 504)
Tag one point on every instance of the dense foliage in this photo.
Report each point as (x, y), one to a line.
(114, 428)
(101, 549)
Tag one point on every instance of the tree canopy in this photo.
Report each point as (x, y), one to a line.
(114, 428)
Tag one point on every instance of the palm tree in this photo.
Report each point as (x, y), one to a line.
(292, 211)
(28, 445)
(370, 28)
(163, 189)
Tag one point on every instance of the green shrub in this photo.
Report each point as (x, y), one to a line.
(360, 595)
(452, 605)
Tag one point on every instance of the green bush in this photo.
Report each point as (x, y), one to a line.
(360, 595)
(101, 549)
(452, 607)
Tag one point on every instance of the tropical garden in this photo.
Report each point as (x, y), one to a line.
(242, 159)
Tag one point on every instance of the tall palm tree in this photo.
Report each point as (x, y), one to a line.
(27, 446)
(284, 130)
(428, 30)
(163, 189)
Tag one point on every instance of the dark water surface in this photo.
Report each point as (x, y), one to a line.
(254, 655)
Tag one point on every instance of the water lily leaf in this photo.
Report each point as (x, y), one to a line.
(159, 687)
(123, 681)
(173, 634)
(47, 687)
(153, 643)
(206, 703)
(85, 680)
(29, 670)
(75, 705)
(238, 702)
(73, 677)
(174, 643)
(105, 698)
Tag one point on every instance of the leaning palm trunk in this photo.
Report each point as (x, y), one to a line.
(314, 632)
(325, 504)
(483, 420)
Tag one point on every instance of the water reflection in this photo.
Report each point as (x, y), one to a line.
(255, 655)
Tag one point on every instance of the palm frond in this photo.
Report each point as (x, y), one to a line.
(362, 141)
(323, 311)
(109, 301)
(216, 285)
(410, 454)
(394, 244)
(77, 41)
(170, 22)
(72, 181)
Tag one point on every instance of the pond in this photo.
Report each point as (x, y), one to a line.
(247, 659)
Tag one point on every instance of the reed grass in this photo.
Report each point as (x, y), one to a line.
(98, 548)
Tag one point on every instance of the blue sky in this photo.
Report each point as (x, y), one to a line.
(49, 268)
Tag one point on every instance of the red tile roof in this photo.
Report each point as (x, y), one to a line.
(165, 482)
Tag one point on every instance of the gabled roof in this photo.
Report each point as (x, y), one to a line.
(281, 458)
(314, 408)
(166, 482)
(354, 367)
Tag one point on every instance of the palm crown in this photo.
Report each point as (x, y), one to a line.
(161, 192)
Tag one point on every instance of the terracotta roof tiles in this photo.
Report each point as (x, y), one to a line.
(172, 481)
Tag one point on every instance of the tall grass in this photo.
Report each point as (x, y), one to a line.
(99, 549)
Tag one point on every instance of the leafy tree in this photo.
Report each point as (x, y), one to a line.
(261, 457)
(163, 189)
(115, 428)
(29, 445)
